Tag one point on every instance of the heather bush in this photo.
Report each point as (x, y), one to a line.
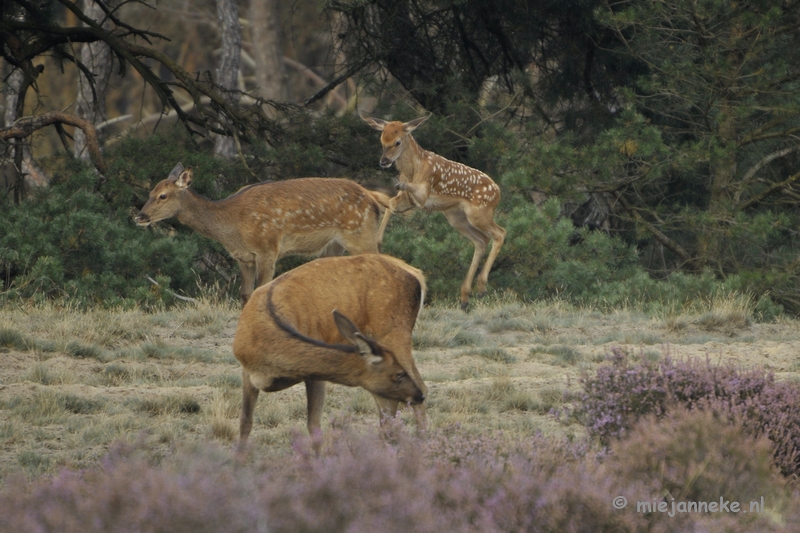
(130, 493)
(696, 455)
(449, 482)
(620, 393)
(359, 484)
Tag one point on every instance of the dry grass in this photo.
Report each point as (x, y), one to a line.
(73, 382)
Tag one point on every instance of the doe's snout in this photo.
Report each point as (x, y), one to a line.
(142, 219)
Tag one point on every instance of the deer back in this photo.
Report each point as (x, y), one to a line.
(305, 213)
(287, 330)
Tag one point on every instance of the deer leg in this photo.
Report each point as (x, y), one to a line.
(249, 398)
(458, 219)
(399, 201)
(498, 237)
(265, 269)
(333, 249)
(417, 193)
(315, 395)
(248, 270)
(483, 221)
(385, 222)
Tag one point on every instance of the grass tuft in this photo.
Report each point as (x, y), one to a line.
(86, 351)
(11, 338)
(494, 353)
(171, 404)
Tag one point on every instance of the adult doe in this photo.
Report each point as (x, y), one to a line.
(346, 320)
(263, 222)
(467, 197)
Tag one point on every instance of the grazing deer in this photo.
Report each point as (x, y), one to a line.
(467, 197)
(347, 320)
(263, 222)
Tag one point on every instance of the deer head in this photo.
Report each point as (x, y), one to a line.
(165, 198)
(386, 377)
(394, 136)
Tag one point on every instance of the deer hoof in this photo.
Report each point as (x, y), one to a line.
(465, 306)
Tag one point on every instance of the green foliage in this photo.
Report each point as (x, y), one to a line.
(545, 257)
(67, 241)
(538, 259)
(76, 239)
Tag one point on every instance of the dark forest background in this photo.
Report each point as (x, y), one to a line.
(648, 152)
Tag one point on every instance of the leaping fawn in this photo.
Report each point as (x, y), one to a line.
(467, 197)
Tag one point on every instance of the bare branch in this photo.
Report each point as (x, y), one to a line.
(26, 126)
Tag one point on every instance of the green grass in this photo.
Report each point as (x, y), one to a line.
(493, 353)
(172, 404)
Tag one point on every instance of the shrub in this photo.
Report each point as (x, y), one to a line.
(76, 239)
(620, 393)
(449, 482)
(695, 455)
(545, 256)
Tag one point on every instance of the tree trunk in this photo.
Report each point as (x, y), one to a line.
(723, 184)
(26, 173)
(265, 36)
(228, 69)
(90, 104)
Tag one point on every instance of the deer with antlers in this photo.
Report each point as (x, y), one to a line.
(467, 197)
(263, 222)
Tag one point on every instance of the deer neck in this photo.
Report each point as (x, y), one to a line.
(206, 217)
(410, 161)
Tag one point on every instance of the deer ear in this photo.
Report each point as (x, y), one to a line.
(375, 123)
(350, 332)
(411, 125)
(185, 178)
(176, 171)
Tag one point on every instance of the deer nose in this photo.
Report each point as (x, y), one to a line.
(419, 397)
(385, 162)
(142, 219)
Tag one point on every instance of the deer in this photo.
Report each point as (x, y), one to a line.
(344, 320)
(263, 222)
(466, 196)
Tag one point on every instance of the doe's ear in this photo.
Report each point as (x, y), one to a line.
(375, 123)
(185, 178)
(350, 332)
(176, 171)
(411, 125)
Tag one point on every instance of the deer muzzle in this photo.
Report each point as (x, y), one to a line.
(142, 219)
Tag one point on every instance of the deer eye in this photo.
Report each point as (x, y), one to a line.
(162, 196)
(397, 143)
(399, 376)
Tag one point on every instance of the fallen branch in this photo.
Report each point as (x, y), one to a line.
(173, 293)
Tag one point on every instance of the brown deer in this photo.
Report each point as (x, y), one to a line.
(263, 222)
(346, 320)
(467, 197)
